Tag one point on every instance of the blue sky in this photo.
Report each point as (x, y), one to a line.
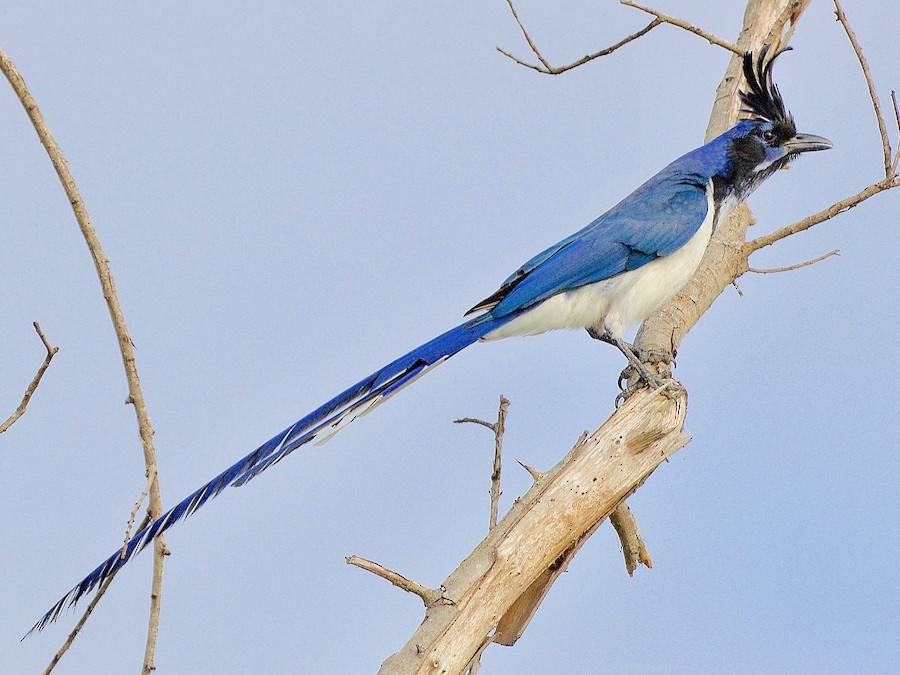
(292, 194)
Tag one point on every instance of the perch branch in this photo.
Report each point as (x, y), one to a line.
(502, 582)
(429, 596)
(791, 268)
(126, 347)
(32, 387)
(681, 23)
(547, 69)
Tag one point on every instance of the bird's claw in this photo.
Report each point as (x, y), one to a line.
(635, 379)
(627, 373)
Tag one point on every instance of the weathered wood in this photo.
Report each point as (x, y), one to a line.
(529, 546)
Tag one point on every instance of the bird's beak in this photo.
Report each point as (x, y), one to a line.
(806, 143)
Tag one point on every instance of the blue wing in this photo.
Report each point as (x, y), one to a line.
(655, 220)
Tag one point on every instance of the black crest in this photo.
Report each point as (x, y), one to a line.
(763, 99)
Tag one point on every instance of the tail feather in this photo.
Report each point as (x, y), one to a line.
(320, 425)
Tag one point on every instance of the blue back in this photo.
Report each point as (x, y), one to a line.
(655, 220)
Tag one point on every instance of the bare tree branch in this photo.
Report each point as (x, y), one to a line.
(474, 420)
(820, 217)
(547, 69)
(897, 118)
(429, 596)
(36, 380)
(502, 582)
(791, 268)
(876, 103)
(531, 44)
(498, 428)
(681, 23)
(126, 347)
(134, 511)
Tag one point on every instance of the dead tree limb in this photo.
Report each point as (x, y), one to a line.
(501, 583)
(126, 347)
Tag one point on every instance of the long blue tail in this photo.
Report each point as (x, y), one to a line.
(319, 425)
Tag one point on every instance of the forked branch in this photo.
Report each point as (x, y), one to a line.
(498, 428)
(545, 66)
(35, 382)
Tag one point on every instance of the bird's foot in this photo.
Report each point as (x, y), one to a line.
(636, 376)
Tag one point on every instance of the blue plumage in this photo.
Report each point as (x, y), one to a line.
(607, 276)
(655, 220)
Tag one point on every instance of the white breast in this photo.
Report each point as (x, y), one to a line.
(615, 304)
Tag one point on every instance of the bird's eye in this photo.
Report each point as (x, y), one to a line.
(768, 136)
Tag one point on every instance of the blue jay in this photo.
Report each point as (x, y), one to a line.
(606, 277)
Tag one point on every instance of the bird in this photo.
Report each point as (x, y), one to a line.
(605, 278)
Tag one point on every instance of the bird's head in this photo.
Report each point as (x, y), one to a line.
(768, 139)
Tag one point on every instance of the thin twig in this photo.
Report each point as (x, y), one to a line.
(547, 69)
(498, 449)
(896, 117)
(791, 268)
(429, 595)
(528, 37)
(882, 127)
(134, 511)
(473, 420)
(78, 626)
(36, 380)
(126, 347)
(498, 428)
(681, 23)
